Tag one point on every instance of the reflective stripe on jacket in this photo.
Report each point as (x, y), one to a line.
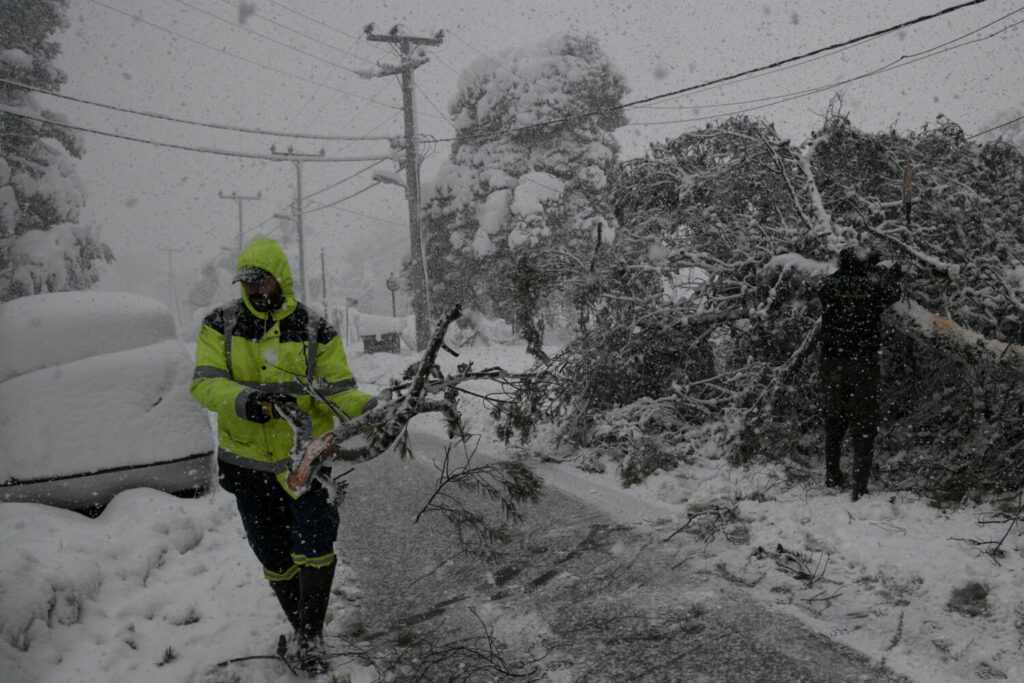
(240, 350)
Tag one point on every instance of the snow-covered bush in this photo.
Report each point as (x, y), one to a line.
(732, 361)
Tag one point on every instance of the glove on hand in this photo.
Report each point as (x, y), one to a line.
(895, 272)
(259, 407)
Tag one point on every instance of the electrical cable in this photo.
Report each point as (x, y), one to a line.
(239, 57)
(308, 37)
(371, 217)
(431, 103)
(345, 179)
(189, 148)
(283, 44)
(316, 21)
(903, 61)
(218, 126)
(306, 212)
(819, 57)
(724, 79)
(1001, 125)
(788, 60)
(259, 169)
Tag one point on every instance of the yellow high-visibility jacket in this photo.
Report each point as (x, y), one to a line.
(241, 350)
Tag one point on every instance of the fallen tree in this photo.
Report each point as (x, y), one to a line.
(701, 324)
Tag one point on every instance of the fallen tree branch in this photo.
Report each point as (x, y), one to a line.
(943, 332)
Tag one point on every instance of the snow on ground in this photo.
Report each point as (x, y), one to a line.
(160, 589)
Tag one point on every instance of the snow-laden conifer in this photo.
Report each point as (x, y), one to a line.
(524, 188)
(43, 246)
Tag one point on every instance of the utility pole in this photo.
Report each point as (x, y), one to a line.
(323, 282)
(298, 215)
(171, 298)
(239, 198)
(409, 63)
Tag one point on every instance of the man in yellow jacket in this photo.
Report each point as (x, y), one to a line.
(255, 352)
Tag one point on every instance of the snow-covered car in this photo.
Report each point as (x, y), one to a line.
(94, 400)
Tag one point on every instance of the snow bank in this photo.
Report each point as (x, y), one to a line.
(156, 589)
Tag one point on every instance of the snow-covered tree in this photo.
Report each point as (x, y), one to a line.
(707, 315)
(43, 247)
(524, 189)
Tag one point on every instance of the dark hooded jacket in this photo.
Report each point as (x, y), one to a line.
(852, 301)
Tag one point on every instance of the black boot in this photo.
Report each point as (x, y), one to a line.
(289, 595)
(862, 457)
(316, 585)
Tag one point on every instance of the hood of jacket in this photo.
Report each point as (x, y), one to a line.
(267, 254)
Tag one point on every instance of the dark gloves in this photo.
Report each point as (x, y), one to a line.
(259, 407)
(889, 273)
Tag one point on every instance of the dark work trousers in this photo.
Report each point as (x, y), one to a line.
(850, 388)
(283, 532)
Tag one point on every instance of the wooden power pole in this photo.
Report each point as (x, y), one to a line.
(239, 199)
(409, 63)
(300, 157)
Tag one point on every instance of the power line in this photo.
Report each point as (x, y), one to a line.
(259, 169)
(189, 148)
(217, 126)
(371, 217)
(270, 38)
(345, 179)
(824, 56)
(724, 79)
(343, 199)
(431, 103)
(316, 21)
(844, 49)
(788, 60)
(239, 57)
(313, 194)
(1001, 125)
(304, 35)
(903, 61)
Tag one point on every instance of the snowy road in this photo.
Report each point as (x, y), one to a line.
(576, 596)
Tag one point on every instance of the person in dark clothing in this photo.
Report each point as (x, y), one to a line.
(852, 301)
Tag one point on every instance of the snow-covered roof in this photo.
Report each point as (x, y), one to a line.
(368, 324)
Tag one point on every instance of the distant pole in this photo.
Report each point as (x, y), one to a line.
(239, 199)
(408, 64)
(298, 215)
(392, 285)
(349, 303)
(171, 298)
(323, 281)
(298, 230)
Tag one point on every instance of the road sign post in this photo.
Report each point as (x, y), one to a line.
(393, 286)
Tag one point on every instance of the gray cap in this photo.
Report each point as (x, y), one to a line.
(251, 275)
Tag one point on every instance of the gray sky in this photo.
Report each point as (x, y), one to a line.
(194, 60)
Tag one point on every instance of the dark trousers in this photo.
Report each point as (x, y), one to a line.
(283, 532)
(850, 388)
